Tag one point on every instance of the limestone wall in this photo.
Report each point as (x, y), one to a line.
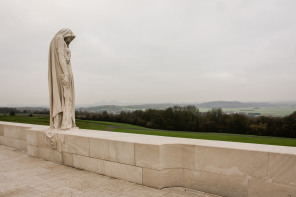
(223, 168)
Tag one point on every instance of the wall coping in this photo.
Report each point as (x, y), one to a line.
(217, 167)
(162, 140)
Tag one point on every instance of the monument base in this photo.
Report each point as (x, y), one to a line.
(217, 167)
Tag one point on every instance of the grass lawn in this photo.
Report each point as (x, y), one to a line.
(127, 128)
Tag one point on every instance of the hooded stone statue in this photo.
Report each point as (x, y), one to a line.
(60, 82)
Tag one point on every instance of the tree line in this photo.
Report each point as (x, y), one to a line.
(189, 118)
(12, 111)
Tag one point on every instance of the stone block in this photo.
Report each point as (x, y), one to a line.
(123, 171)
(118, 151)
(216, 183)
(231, 162)
(1, 130)
(12, 142)
(88, 163)
(259, 189)
(163, 178)
(164, 156)
(282, 168)
(148, 156)
(68, 159)
(17, 132)
(10, 131)
(41, 140)
(23, 145)
(2, 140)
(23, 133)
(99, 148)
(5, 141)
(50, 155)
(31, 137)
(59, 139)
(32, 150)
(76, 144)
(177, 156)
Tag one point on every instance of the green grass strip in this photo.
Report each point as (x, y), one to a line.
(128, 128)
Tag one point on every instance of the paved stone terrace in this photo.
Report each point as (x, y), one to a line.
(22, 175)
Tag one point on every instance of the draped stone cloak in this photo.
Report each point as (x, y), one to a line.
(58, 68)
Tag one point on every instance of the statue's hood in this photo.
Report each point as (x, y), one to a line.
(66, 33)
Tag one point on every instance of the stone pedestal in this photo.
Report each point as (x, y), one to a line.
(217, 167)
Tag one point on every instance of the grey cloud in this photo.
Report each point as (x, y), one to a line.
(152, 51)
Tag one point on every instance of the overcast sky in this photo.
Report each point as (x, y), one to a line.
(152, 51)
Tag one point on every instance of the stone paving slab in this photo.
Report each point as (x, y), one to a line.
(22, 175)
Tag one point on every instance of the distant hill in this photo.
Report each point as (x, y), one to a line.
(213, 104)
(153, 106)
(120, 108)
(232, 104)
(99, 109)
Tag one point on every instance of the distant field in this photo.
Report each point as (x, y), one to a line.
(279, 111)
(127, 128)
(266, 111)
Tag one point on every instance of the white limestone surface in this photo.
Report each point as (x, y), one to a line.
(25, 176)
(217, 167)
